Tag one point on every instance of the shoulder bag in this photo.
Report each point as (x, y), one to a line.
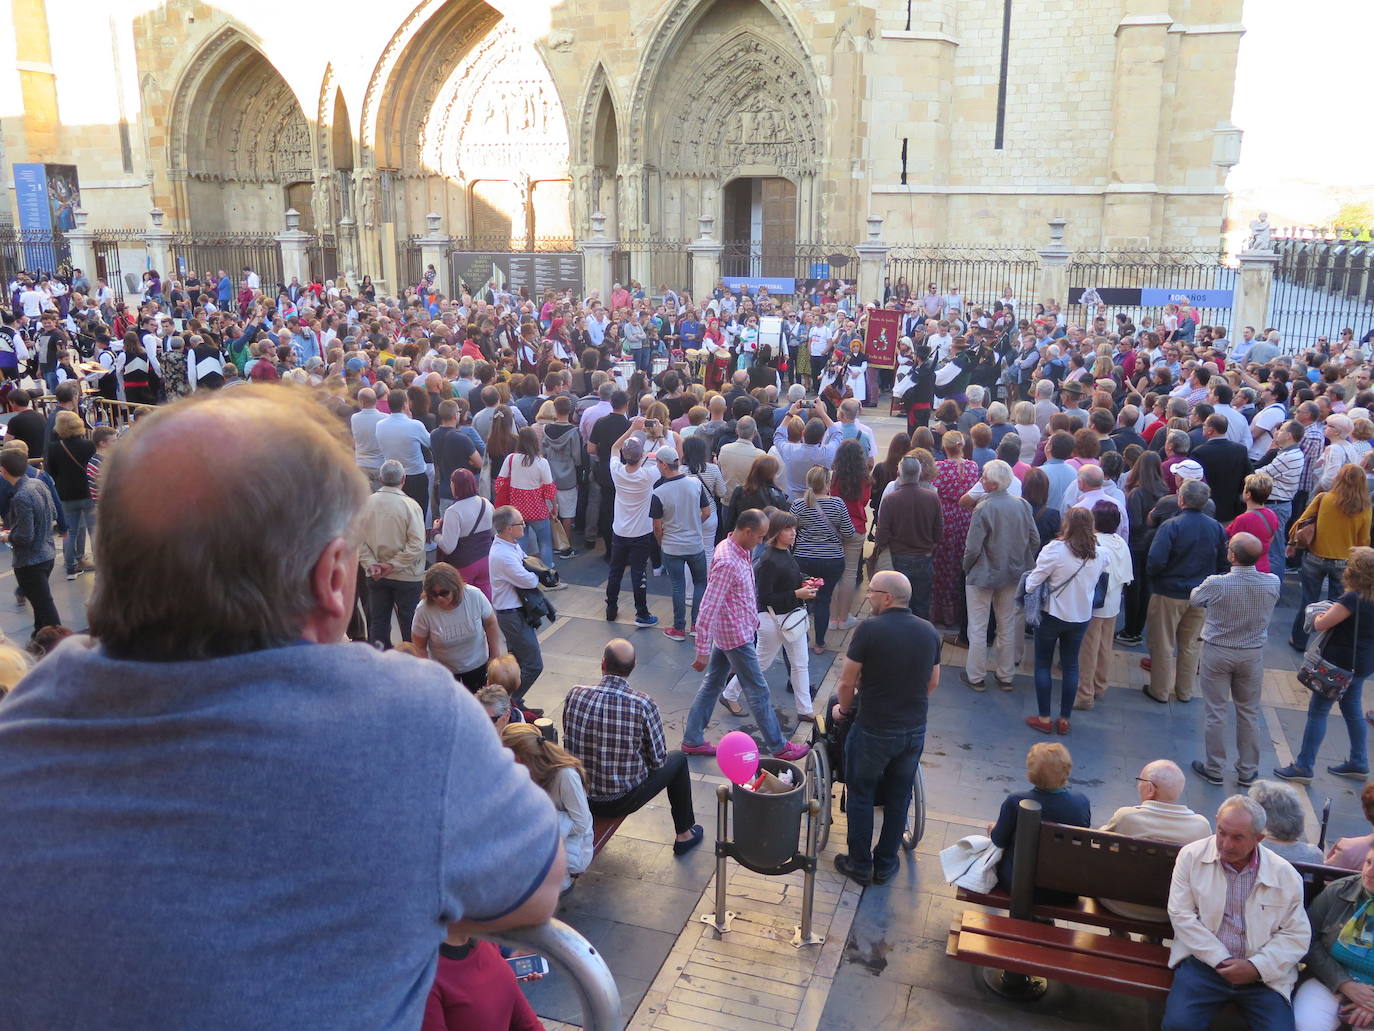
(1323, 677)
(1034, 600)
(1304, 530)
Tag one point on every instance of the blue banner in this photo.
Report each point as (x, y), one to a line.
(774, 284)
(1150, 297)
(31, 196)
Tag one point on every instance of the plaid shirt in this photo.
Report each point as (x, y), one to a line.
(1239, 605)
(617, 732)
(728, 616)
(1313, 441)
(1239, 884)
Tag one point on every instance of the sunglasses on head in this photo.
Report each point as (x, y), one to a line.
(442, 592)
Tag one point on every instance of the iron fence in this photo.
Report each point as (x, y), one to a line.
(324, 257)
(412, 263)
(1173, 272)
(982, 276)
(652, 263)
(1321, 287)
(799, 262)
(108, 246)
(210, 253)
(33, 251)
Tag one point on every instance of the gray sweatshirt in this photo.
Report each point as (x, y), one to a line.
(32, 514)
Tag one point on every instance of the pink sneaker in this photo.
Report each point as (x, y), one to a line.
(705, 748)
(791, 753)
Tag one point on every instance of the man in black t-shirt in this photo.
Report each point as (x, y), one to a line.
(452, 449)
(605, 432)
(26, 424)
(893, 664)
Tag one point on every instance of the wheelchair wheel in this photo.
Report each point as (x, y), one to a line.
(916, 813)
(818, 787)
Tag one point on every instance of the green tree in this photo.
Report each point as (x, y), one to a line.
(1356, 217)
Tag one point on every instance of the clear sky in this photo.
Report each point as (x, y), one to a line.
(1303, 93)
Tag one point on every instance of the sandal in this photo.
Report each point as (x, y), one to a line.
(733, 708)
(1040, 723)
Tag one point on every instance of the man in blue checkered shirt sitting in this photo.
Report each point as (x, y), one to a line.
(617, 732)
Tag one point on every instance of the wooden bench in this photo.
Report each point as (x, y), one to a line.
(1091, 864)
(603, 828)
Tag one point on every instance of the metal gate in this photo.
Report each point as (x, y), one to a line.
(109, 264)
(982, 275)
(1148, 270)
(324, 257)
(211, 253)
(1321, 287)
(32, 250)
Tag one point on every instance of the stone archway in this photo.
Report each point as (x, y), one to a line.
(731, 93)
(238, 138)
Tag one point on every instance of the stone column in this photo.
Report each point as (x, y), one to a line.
(348, 251)
(434, 247)
(295, 249)
(1250, 306)
(82, 243)
(872, 261)
(596, 259)
(1054, 267)
(705, 251)
(158, 241)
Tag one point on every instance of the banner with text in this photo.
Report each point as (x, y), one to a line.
(1150, 297)
(880, 337)
(537, 271)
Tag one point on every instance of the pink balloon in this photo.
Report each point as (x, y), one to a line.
(738, 756)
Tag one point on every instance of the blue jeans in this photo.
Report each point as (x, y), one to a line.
(677, 573)
(830, 570)
(1353, 714)
(80, 516)
(1069, 636)
(743, 662)
(920, 571)
(879, 765)
(538, 536)
(642, 357)
(1282, 509)
(1311, 574)
(1199, 991)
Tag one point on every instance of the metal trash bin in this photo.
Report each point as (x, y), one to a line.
(768, 827)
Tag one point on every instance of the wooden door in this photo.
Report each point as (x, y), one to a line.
(779, 227)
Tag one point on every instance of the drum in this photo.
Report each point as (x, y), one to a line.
(624, 370)
(660, 366)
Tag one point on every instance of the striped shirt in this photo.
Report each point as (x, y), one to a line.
(728, 616)
(1239, 884)
(1313, 441)
(1286, 470)
(822, 529)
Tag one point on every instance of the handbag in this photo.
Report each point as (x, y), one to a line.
(790, 622)
(1100, 590)
(1304, 531)
(971, 863)
(1035, 599)
(1323, 677)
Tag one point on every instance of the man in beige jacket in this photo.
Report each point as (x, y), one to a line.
(1239, 926)
(391, 549)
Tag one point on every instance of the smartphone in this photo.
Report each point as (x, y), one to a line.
(525, 966)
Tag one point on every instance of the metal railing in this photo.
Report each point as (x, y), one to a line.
(652, 262)
(33, 251)
(324, 257)
(109, 263)
(1173, 270)
(97, 410)
(1321, 287)
(575, 956)
(983, 275)
(797, 261)
(208, 253)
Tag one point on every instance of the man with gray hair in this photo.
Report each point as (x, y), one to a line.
(1186, 550)
(217, 682)
(391, 548)
(1160, 816)
(1237, 606)
(1092, 488)
(1002, 544)
(737, 457)
(911, 524)
(1239, 926)
(506, 569)
(363, 424)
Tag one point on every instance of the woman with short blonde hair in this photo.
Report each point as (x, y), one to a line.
(65, 461)
(1048, 765)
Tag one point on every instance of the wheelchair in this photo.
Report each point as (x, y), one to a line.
(825, 768)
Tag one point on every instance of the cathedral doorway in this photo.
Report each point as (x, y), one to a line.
(759, 226)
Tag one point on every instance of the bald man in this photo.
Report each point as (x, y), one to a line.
(363, 424)
(1160, 816)
(202, 754)
(891, 656)
(1238, 607)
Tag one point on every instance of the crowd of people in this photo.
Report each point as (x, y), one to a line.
(1080, 486)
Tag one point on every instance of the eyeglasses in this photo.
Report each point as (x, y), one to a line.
(445, 593)
(497, 717)
(875, 591)
(1144, 780)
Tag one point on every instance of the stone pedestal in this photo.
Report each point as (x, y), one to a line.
(158, 242)
(1250, 306)
(295, 249)
(1054, 267)
(705, 251)
(434, 247)
(82, 243)
(872, 262)
(596, 260)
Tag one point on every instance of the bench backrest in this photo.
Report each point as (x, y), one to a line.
(1100, 864)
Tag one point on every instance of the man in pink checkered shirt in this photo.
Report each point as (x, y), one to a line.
(727, 623)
